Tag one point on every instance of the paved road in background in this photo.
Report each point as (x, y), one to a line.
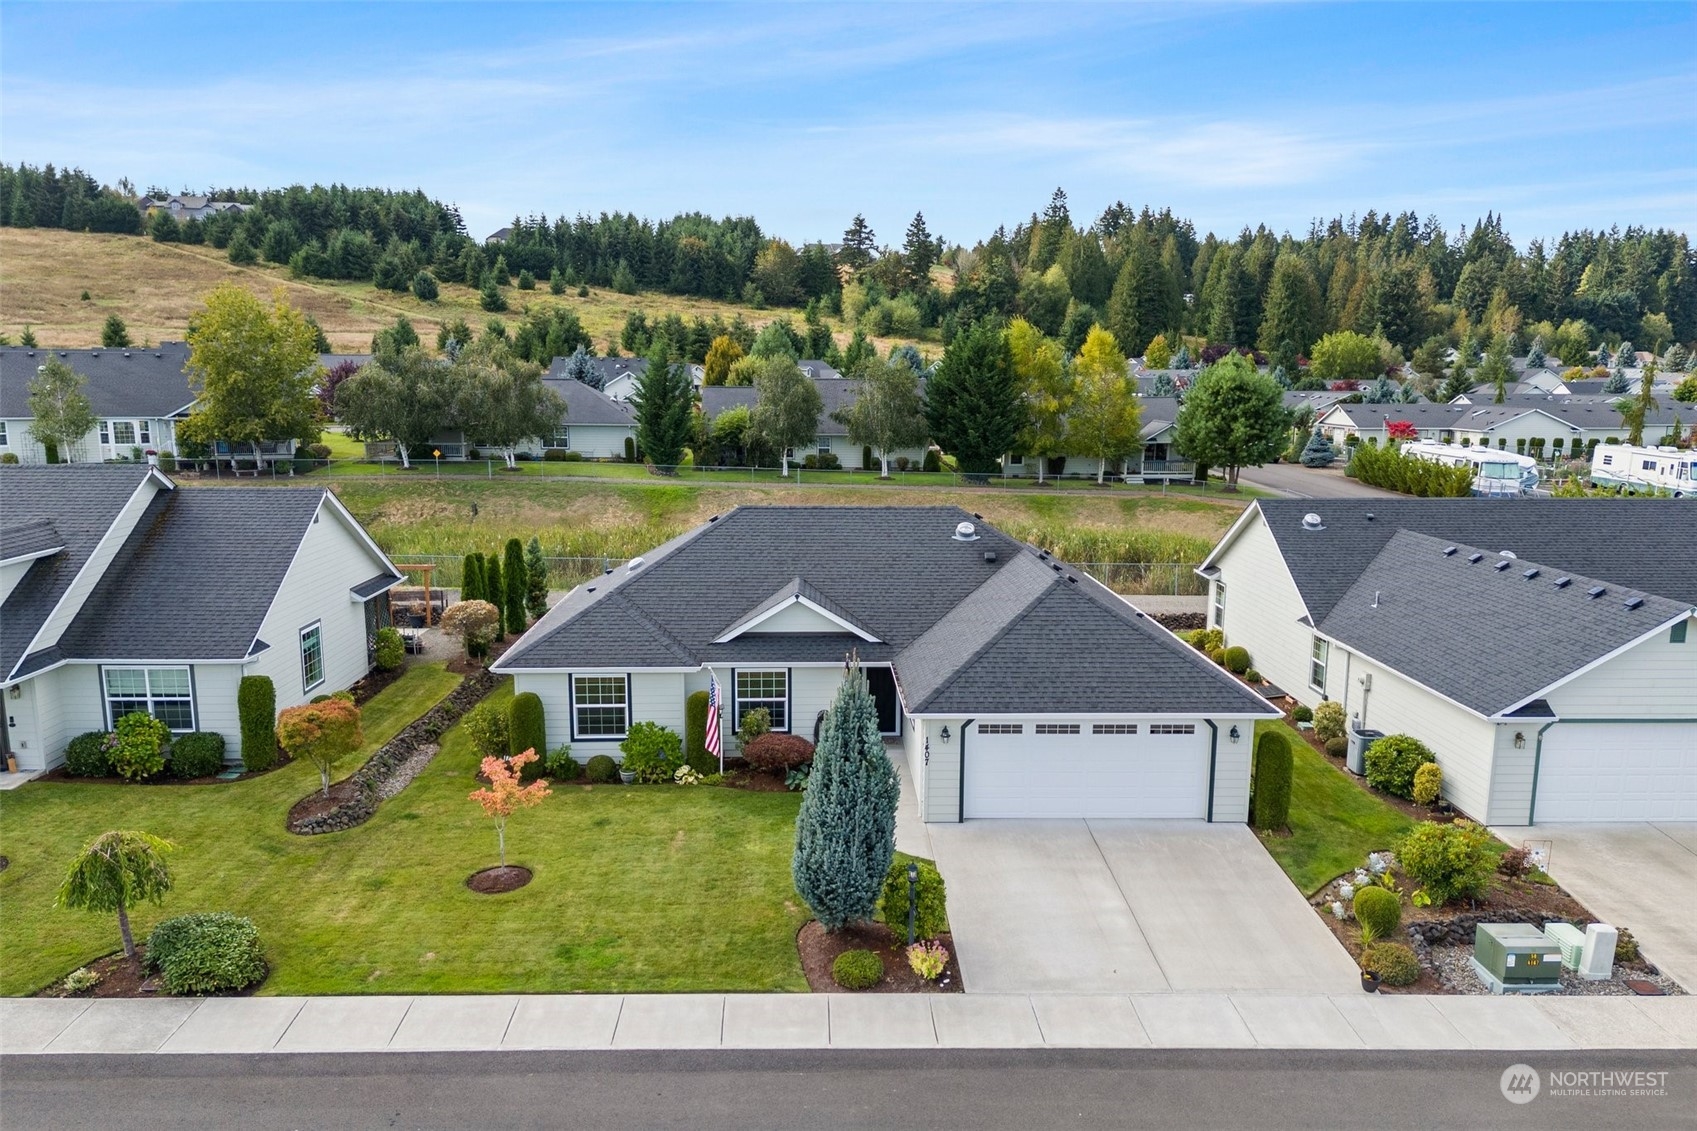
(1299, 482)
(986, 1090)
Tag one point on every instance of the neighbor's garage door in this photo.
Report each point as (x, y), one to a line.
(1618, 772)
(1087, 769)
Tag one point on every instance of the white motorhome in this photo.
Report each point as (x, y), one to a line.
(1640, 468)
(1495, 472)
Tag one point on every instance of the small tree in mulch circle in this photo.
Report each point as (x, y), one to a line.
(322, 733)
(845, 833)
(117, 870)
(505, 796)
(475, 623)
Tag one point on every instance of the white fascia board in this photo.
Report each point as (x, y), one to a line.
(1250, 513)
(31, 557)
(1100, 716)
(749, 625)
(498, 668)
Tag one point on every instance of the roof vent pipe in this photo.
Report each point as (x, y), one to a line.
(965, 532)
(1311, 521)
(1375, 598)
(635, 564)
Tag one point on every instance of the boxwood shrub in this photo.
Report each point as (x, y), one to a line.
(526, 725)
(388, 650)
(600, 770)
(207, 953)
(1394, 962)
(1302, 713)
(857, 970)
(931, 913)
(196, 755)
(1378, 909)
(89, 755)
(1393, 761)
(1237, 659)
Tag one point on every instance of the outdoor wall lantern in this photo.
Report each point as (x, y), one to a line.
(1519, 740)
(945, 735)
(1233, 734)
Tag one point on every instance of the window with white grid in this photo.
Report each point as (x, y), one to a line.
(768, 689)
(1001, 728)
(165, 693)
(1057, 728)
(1113, 728)
(600, 706)
(1172, 728)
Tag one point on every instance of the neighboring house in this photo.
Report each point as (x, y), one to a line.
(188, 207)
(120, 591)
(595, 426)
(1543, 648)
(1559, 422)
(499, 235)
(1157, 461)
(139, 397)
(1018, 686)
(835, 395)
(618, 374)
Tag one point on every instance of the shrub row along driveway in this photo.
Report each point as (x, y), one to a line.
(1128, 906)
(636, 888)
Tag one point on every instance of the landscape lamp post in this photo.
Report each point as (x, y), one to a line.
(912, 898)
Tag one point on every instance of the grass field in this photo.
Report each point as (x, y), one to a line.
(637, 888)
(155, 288)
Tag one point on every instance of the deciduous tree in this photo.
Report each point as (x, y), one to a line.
(1047, 388)
(502, 400)
(323, 733)
(1104, 420)
(786, 409)
(1233, 417)
(253, 369)
(407, 397)
(116, 871)
(1345, 356)
(475, 622)
(721, 355)
(61, 413)
(505, 796)
(888, 413)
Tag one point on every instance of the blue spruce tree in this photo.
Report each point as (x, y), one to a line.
(1319, 451)
(845, 833)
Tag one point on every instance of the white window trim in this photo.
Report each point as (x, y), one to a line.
(318, 627)
(740, 705)
(573, 705)
(1323, 647)
(1219, 603)
(106, 695)
(3, 437)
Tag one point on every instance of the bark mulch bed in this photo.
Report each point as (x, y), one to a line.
(755, 781)
(366, 689)
(60, 774)
(492, 881)
(819, 949)
(119, 977)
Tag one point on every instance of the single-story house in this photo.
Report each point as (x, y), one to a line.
(1543, 648)
(120, 591)
(139, 397)
(835, 395)
(188, 206)
(1156, 461)
(1018, 686)
(1513, 425)
(596, 425)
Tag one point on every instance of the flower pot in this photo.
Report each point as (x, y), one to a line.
(1370, 981)
(627, 776)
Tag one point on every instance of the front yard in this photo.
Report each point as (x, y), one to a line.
(637, 888)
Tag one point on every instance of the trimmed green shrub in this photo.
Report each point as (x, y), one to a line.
(1428, 783)
(1206, 640)
(256, 704)
(554, 455)
(696, 756)
(89, 755)
(1252, 676)
(1218, 656)
(1379, 910)
(857, 970)
(488, 728)
(652, 752)
(1393, 962)
(1393, 761)
(1237, 659)
(931, 461)
(206, 953)
(1626, 947)
(754, 724)
(559, 765)
(196, 755)
(1269, 805)
(931, 914)
(776, 751)
(388, 650)
(600, 770)
(630, 450)
(1450, 861)
(526, 726)
(1328, 720)
(139, 752)
(1302, 714)
(1337, 747)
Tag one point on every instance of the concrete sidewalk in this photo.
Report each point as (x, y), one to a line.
(812, 1021)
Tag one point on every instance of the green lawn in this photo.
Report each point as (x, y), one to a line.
(637, 888)
(1334, 823)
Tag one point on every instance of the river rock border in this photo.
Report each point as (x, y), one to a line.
(400, 759)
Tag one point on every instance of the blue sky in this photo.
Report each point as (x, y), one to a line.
(1557, 116)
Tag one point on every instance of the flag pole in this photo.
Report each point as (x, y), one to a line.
(715, 708)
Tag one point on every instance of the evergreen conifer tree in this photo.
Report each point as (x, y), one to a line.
(471, 578)
(535, 580)
(494, 588)
(664, 400)
(845, 833)
(516, 586)
(973, 400)
(1318, 452)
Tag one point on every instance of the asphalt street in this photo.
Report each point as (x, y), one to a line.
(987, 1090)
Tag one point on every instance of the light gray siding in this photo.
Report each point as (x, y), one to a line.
(1232, 765)
(1657, 679)
(1263, 610)
(941, 794)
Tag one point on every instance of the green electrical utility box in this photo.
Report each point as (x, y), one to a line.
(1517, 957)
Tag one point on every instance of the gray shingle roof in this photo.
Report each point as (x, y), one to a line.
(1482, 417)
(585, 405)
(147, 383)
(959, 630)
(1483, 633)
(29, 537)
(1643, 543)
(196, 577)
(607, 367)
(81, 501)
(835, 394)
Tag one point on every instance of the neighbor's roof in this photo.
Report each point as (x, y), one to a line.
(1643, 543)
(585, 405)
(1423, 603)
(1477, 417)
(148, 383)
(80, 501)
(607, 367)
(1017, 634)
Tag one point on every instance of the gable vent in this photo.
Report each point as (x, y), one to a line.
(1311, 521)
(1531, 573)
(1563, 582)
(965, 532)
(1449, 551)
(1596, 591)
(1476, 557)
(1500, 566)
(1634, 602)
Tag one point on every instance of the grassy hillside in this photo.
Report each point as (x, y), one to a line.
(155, 287)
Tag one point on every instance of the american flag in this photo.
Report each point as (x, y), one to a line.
(714, 746)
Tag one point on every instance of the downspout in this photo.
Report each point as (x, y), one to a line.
(1537, 758)
(1213, 758)
(960, 801)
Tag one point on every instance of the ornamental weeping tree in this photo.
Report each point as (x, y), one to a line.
(118, 870)
(845, 833)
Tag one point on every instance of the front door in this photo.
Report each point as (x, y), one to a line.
(882, 681)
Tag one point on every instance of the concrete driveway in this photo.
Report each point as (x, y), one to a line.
(1641, 876)
(1129, 906)
(1298, 482)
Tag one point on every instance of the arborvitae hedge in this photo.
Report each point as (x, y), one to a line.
(256, 704)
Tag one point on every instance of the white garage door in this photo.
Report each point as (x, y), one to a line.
(1618, 772)
(1087, 769)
